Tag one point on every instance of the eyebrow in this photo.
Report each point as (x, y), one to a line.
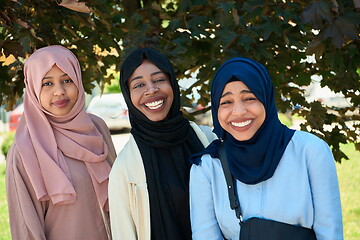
(64, 75)
(152, 74)
(230, 93)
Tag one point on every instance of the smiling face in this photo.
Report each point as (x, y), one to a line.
(240, 113)
(150, 91)
(58, 93)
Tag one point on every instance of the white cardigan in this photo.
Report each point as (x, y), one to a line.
(128, 195)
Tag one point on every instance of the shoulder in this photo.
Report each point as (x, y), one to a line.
(209, 168)
(100, 125)
(208, 163)
(129, 160)
(129, 151)
(99, 122)
(14, 159)
(309, 147)
(203, 128)
(13, 153)
(307, 139)
(203, 131)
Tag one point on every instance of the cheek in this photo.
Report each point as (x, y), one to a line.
(171, 95)
(134, 97)
(76, 95)
(222, 116)
(74, 92)
(42, 97)
(261, 113)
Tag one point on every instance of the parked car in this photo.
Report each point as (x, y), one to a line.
(14, 117)
(112, 109)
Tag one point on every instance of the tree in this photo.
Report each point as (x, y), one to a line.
(198, 36)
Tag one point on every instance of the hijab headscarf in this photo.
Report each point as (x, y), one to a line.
(44, 139)
(254, 160)
(165, 147)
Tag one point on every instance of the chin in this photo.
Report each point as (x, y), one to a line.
(156, 119)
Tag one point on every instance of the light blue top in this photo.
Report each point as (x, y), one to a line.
(303, 191)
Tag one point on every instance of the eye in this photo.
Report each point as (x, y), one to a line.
(45, 84)
(159, 80)
(139, 85)
(225, 102)
(250, 99)
(68, 81)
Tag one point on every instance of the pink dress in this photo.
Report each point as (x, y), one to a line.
(34, 219)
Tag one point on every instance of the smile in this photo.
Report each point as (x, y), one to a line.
(155, 105)
(241, 124)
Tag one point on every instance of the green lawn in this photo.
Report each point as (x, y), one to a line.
(4, 218)
(349, 180)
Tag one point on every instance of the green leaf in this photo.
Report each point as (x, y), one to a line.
(316, 47)
(316, 12)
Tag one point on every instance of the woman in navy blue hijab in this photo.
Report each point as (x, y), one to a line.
(280, 174)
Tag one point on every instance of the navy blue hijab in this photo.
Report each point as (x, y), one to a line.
(254, 160)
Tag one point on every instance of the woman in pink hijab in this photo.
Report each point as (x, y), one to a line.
(58, 168)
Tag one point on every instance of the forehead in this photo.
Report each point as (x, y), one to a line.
(55, 71)
(235, 86)
(145, 67)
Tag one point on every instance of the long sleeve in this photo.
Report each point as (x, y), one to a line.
(122, 224)
(204, 222)
(303, 191)
(325, 192)
(25, 211)
(128, 196)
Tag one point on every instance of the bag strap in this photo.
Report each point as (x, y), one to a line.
(231, 184)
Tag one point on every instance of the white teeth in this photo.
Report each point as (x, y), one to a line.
(155, 105)
(241, 124)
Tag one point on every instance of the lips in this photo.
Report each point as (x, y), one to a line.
(61, 103)
(155, 104)
(241, 124)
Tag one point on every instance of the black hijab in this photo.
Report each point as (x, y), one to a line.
(254, 160)
(165, 148)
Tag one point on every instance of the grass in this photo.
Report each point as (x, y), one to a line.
(4, 218)
(349, 181)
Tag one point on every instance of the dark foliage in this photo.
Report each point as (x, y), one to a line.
(198, 36)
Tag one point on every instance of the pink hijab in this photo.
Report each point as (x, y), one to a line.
(43, 138)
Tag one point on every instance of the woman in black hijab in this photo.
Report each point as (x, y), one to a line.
(148, 189)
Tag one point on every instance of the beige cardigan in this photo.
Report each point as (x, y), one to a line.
(128, 195)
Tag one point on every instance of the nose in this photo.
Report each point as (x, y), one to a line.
(239, 108)
(59, 90)
(152, 89)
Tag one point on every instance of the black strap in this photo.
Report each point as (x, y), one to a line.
(231, 184)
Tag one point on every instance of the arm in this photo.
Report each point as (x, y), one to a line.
(325, 193)
(121, 220)
(26, 214)
(202, 212)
